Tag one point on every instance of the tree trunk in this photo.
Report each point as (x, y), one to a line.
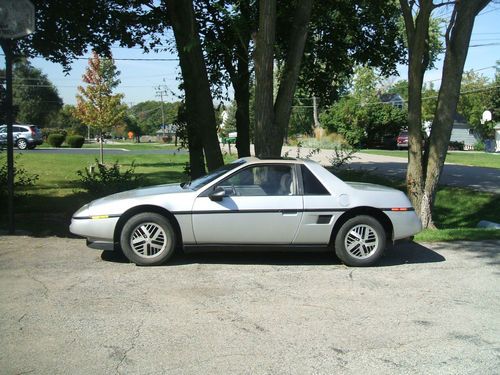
(199, 105)
(424, 170)
(457, 46)
(265, 130)
(416, 33)
(291, 70)
(242, 98)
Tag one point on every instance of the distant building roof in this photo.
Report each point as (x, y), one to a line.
(167, 129)
(390, 98)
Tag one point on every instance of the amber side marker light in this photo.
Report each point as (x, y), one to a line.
(399, 209)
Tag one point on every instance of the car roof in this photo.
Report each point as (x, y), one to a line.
(264, 160)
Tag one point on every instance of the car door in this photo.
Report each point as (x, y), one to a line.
(260, 206)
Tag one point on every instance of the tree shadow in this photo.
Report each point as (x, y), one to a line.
(405, 253)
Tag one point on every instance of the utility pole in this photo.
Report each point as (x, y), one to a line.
(160, 91)
(315, 113)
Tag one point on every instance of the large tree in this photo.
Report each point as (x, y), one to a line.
(96, 105)
(342, 34)
(424, 168)
(199, 105)
(35, 97)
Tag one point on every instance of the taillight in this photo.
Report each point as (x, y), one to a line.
(33, 131)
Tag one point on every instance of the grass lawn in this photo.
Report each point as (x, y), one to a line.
(470, 158)
(122, 144)
(48, 206)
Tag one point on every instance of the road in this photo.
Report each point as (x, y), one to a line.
(426, 309)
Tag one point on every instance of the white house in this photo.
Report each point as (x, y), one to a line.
(461, 132)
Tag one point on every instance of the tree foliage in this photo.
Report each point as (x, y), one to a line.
(36, 100)
(476, 97)
(361, 117)
(97, 106)
(148, 115)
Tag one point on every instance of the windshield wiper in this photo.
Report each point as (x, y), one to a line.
(185, 184)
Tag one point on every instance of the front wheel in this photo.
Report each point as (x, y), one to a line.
(360, 241)
(22, 144)
(148, 239)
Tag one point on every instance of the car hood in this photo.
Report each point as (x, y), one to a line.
(171, 196)
(142, 193)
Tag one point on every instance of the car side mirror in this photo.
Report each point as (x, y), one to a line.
(217, 194)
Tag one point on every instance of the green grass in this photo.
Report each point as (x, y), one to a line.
(50, 203)
(469, 158)
(123, 145)
(460, 234)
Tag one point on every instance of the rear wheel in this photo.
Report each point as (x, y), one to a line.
(148, 239)
(360, 241)
(22, 144)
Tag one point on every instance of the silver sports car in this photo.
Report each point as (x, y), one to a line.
(251, 203)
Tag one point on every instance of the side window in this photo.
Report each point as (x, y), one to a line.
(312, 186)
(262, 180)
(17, 129)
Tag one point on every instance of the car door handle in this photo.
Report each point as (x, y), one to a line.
(289, 212)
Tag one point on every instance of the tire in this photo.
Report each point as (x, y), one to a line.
(360, 241)
(22, 144)
(154, 236)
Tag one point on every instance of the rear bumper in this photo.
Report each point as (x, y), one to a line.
(405, 224)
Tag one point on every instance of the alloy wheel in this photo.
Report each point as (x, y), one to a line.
(148, 240)
(361, 241)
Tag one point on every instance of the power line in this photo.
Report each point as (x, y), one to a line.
(115, 59)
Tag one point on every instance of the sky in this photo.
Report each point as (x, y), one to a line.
(141, 79)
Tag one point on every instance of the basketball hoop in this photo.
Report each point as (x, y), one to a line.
(17, 18)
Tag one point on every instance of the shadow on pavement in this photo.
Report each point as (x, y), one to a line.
(405, 253)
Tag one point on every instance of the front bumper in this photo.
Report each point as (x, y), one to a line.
(94, 229)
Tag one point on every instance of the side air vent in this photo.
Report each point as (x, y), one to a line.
(324, 219)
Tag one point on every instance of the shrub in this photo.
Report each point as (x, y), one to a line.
(22, 178)
(479, 146)
(56, 140)
(75, 141)
(46, 132)
(456, 146)
(101, 179)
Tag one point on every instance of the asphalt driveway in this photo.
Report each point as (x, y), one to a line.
(66, 309)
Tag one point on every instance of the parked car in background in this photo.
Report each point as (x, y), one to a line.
(251, 204)
(402, 140)
(25, 136)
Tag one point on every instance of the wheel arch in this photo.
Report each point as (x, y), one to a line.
(147, 208)
(376, 213)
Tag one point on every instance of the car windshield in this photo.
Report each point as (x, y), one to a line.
(203, 180)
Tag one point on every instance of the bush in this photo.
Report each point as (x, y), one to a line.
(56, 140)
(75, 141)
(456, 146)
(46, 132)
(479, 146)
(101, 179)
(22, 178)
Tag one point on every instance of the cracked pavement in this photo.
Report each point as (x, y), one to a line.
(428, 308)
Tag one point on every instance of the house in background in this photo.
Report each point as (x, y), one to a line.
(393, 99)
(167, 133)
(461, 132)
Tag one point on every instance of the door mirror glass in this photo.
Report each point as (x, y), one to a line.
(218, 194)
